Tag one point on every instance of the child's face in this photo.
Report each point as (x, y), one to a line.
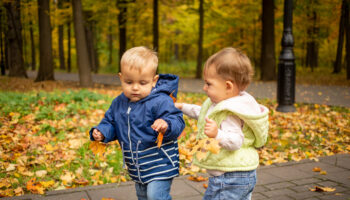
(137, 84)
(217, 88)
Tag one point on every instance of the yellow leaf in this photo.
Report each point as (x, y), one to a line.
(98, 148)
(322, 189)
(323, 172)
(47, 184)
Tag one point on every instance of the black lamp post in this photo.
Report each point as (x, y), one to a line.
(286, 65)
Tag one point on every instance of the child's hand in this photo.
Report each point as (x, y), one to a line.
(179, 105)
(210, 128)
(160, 126)
(97, 135)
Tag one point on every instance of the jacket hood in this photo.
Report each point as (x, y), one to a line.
(167, 83)
(253, 114)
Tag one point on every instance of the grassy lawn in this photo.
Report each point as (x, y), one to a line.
(44, 141)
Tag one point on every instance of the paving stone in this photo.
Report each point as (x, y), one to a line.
(307, 167)
(303, 188)
(279, 185)
(282, 197)
(267, 178)
(305, 181)
(289, 173)
(260, 188)
(75, 195)
(334, 197)
(312, 198)
(343, 161)
(258, 196)
(327, 184)
(117, 193)
(196, 186)
(304, 195)
(280, 192)
(197, 197)
(180, 189)
(339, 177)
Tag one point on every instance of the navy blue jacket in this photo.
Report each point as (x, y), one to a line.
(130, 124)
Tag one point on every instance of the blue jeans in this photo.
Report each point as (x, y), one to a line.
(236, 185)
(155, 190)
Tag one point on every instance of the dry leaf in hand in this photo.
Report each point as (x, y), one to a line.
(159, 140)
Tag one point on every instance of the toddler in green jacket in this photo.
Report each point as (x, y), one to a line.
(235, 119)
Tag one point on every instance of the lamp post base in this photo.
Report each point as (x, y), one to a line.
(285, 108)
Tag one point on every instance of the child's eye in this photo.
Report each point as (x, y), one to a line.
(144, 82)
(128, 82)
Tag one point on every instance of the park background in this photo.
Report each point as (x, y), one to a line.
(44, 124)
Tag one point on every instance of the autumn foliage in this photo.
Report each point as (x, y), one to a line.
(44, 140)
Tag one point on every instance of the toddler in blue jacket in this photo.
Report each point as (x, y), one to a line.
(144, 109)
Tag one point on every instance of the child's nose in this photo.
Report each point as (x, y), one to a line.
(135, 86)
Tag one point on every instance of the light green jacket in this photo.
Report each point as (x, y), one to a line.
(255, 130)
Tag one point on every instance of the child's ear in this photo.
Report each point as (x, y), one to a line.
(229, 85)
(155, 79)
(120, 75)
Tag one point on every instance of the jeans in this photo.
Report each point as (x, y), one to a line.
(155, 190)
(236, 185)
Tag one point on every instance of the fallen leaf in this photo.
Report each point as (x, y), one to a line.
(35, 187)
(98, 148)
(197, 178)
(316, 169)
(205, 185)
(322, 189)
(323, 172)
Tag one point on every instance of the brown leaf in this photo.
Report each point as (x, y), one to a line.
(322, 189)
(98, 148)
(316, 169)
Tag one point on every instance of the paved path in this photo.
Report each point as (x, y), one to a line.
(286, 181)
(329, 95)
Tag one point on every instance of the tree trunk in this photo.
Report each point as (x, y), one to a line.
(46, 71)
(347, 32)
(2, 56)
(32, 45)
(88, 26)
(81, 46)
(268, 58)
(122, 17)
(312, 45)
(200, 41)
(60, 41)
(110, 45)
(338, 59)
(69, 54)
(155, 26)
(14, 37)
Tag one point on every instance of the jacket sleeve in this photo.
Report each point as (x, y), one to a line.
(167, 111)
(106, 126)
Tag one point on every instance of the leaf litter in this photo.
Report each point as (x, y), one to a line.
(44, 140)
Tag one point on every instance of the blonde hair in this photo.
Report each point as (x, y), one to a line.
(140, 58)
(233, 65)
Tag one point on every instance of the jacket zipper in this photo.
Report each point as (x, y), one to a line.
(130, 146)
